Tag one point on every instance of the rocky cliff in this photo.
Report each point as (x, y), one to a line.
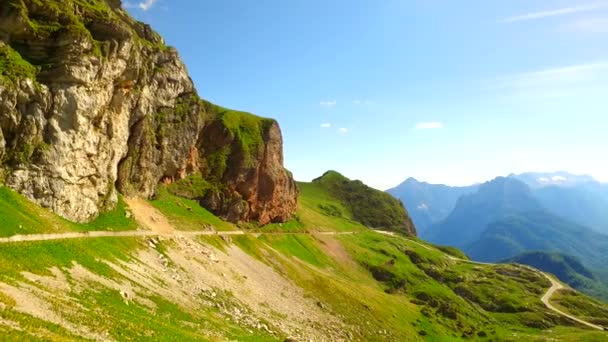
(93, 102)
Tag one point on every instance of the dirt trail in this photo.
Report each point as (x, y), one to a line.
(149, 217)
(555, 285)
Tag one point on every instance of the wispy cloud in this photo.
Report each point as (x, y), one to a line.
(342, 130)
(554, 77)
(325, 125)
(554, 12)
(589, 25)
(328, 103)
(429, 125)
(142, 5)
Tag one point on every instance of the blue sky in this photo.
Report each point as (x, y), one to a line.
(451, 92)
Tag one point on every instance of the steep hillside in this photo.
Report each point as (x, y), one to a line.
(366, 286)
(582, 306)
(371, 207)
(566, 268)
(93, 102)
(473, 212)
(426, 203)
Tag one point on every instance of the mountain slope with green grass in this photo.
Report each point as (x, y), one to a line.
(567, 269)
(266, 286)
(371, 207)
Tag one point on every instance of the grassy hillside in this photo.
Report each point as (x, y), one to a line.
(567, 269)
(581, 306)
(371, 207)
(365, 286)
(20, 216)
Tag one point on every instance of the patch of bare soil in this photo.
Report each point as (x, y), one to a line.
(333, 247)
(149, 217)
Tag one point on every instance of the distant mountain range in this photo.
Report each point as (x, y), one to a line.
(474, 212)
(578, 198)
(508, 216)
(426, 203)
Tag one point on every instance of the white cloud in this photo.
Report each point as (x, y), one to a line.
(429, 125)
(328, 103)
(554, 12)
(342, 130)
(142, 5)
(325, 125)
(543, 180)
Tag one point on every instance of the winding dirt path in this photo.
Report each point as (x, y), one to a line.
(555, 285)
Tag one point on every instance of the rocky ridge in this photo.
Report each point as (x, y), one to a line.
(93, 103)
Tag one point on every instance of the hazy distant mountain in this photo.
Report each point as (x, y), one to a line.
(580, 199)
(561, 179)
(473, 212)
(581, 204)
(427, 203)
(539, 230)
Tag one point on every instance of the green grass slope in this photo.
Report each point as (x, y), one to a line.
(567, 269)
(581, 306)
(364, 286)
(371, 207)
(20, 216)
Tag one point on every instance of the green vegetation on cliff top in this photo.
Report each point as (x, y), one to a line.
(246, 134)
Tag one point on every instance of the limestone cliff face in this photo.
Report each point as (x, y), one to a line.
(92, 101)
